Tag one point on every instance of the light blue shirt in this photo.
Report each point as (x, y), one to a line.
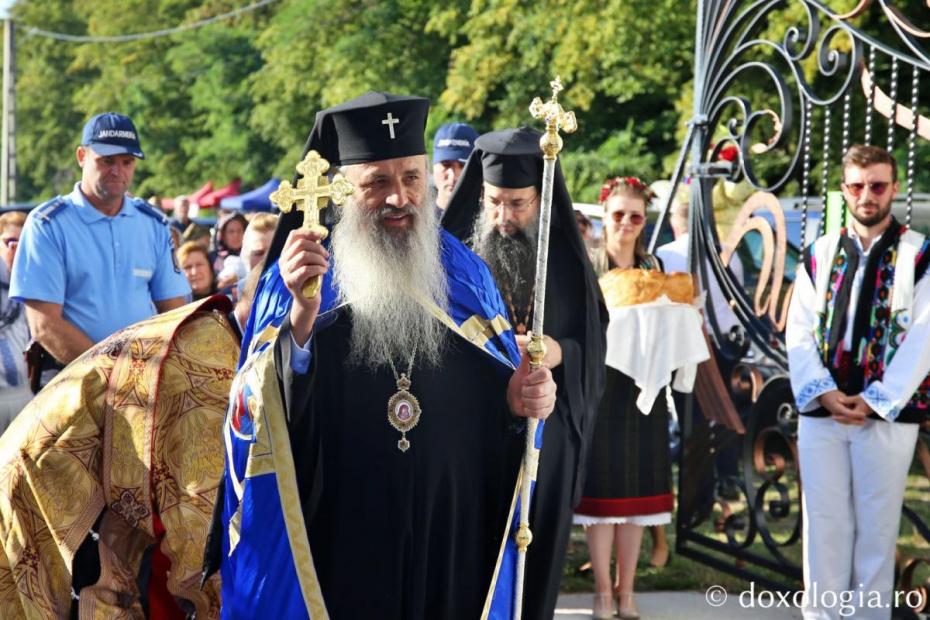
(106, 272)
(300, 356)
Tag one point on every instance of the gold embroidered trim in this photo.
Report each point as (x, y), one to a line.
(446, 320)
(478, 330)
(267, 335)
(272, 411)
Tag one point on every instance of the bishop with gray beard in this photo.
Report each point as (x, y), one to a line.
(381, 274)
(496, 207)
(405, 436)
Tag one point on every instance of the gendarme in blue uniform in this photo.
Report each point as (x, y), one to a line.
(106, 272)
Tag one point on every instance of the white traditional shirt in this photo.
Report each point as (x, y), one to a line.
(810, 378)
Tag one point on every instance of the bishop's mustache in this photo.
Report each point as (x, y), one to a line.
(386, 210)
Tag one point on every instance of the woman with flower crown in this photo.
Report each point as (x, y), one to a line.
(628, 483)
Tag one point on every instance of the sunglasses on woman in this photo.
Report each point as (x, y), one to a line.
(635, 218)
(877, 188)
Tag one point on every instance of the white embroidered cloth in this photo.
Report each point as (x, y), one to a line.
(650, 342)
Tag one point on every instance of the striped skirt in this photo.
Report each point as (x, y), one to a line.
(629, 473)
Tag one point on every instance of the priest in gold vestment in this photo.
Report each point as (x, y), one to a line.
(108, 478)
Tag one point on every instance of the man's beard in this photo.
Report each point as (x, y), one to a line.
(871, 220)
(381, 273)
(512, 258)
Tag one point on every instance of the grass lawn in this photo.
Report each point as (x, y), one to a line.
(681, 574)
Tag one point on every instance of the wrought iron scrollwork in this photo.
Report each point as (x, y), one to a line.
(791, 103)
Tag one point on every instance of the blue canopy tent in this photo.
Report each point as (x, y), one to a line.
(255, 200)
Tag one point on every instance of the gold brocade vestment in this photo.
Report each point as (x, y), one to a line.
(132, 429)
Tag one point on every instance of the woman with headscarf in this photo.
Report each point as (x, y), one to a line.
(228, 240)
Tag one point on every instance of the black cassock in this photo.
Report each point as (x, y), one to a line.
(575, 316)
(402, 535)
(563, 456)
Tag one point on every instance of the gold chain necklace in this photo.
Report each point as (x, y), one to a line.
(403, 408)
(521, 324)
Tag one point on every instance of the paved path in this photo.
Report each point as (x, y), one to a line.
(674, 606)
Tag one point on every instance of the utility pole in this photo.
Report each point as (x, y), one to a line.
(8, 124)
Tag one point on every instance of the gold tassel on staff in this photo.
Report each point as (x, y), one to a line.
(551, 143)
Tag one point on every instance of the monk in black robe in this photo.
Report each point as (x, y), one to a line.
(495, 207)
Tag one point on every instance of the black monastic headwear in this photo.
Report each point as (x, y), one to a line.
(509, 158)
(373, 127)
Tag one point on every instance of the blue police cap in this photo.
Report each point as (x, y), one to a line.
(454, 142)
(112, 134)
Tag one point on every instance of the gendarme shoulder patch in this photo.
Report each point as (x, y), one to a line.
(47, 210)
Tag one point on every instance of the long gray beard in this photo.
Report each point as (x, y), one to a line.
(512, 259)
(381, 273)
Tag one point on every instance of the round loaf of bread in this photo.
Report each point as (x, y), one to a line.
(629, 287)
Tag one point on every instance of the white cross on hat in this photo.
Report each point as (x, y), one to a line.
(390, 121)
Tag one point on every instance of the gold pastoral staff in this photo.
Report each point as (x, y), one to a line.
(550, 143)
(312, 193)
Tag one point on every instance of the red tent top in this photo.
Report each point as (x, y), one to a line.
(167, 204)
(197, 196)
(213, 199)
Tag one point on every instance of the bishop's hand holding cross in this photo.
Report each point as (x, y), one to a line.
(306, 258)
(312, 194)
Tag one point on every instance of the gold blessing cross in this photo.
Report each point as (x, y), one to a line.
(312, 193)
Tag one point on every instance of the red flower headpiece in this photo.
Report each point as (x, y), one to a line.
(632, 182)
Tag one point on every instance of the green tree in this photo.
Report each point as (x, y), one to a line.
(217, 65)
(321, 53)
(624, 64)
(238, 98)
(189, 93)
(48, 123)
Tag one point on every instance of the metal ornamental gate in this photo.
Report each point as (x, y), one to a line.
(781, 89)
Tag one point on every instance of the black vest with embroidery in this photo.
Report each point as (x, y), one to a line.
(876, 334)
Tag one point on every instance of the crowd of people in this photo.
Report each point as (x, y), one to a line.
(434, 483)
(221, 262)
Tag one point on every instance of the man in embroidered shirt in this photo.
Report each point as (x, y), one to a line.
(857, 331)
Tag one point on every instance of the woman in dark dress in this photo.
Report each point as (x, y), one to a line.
(628, 483)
